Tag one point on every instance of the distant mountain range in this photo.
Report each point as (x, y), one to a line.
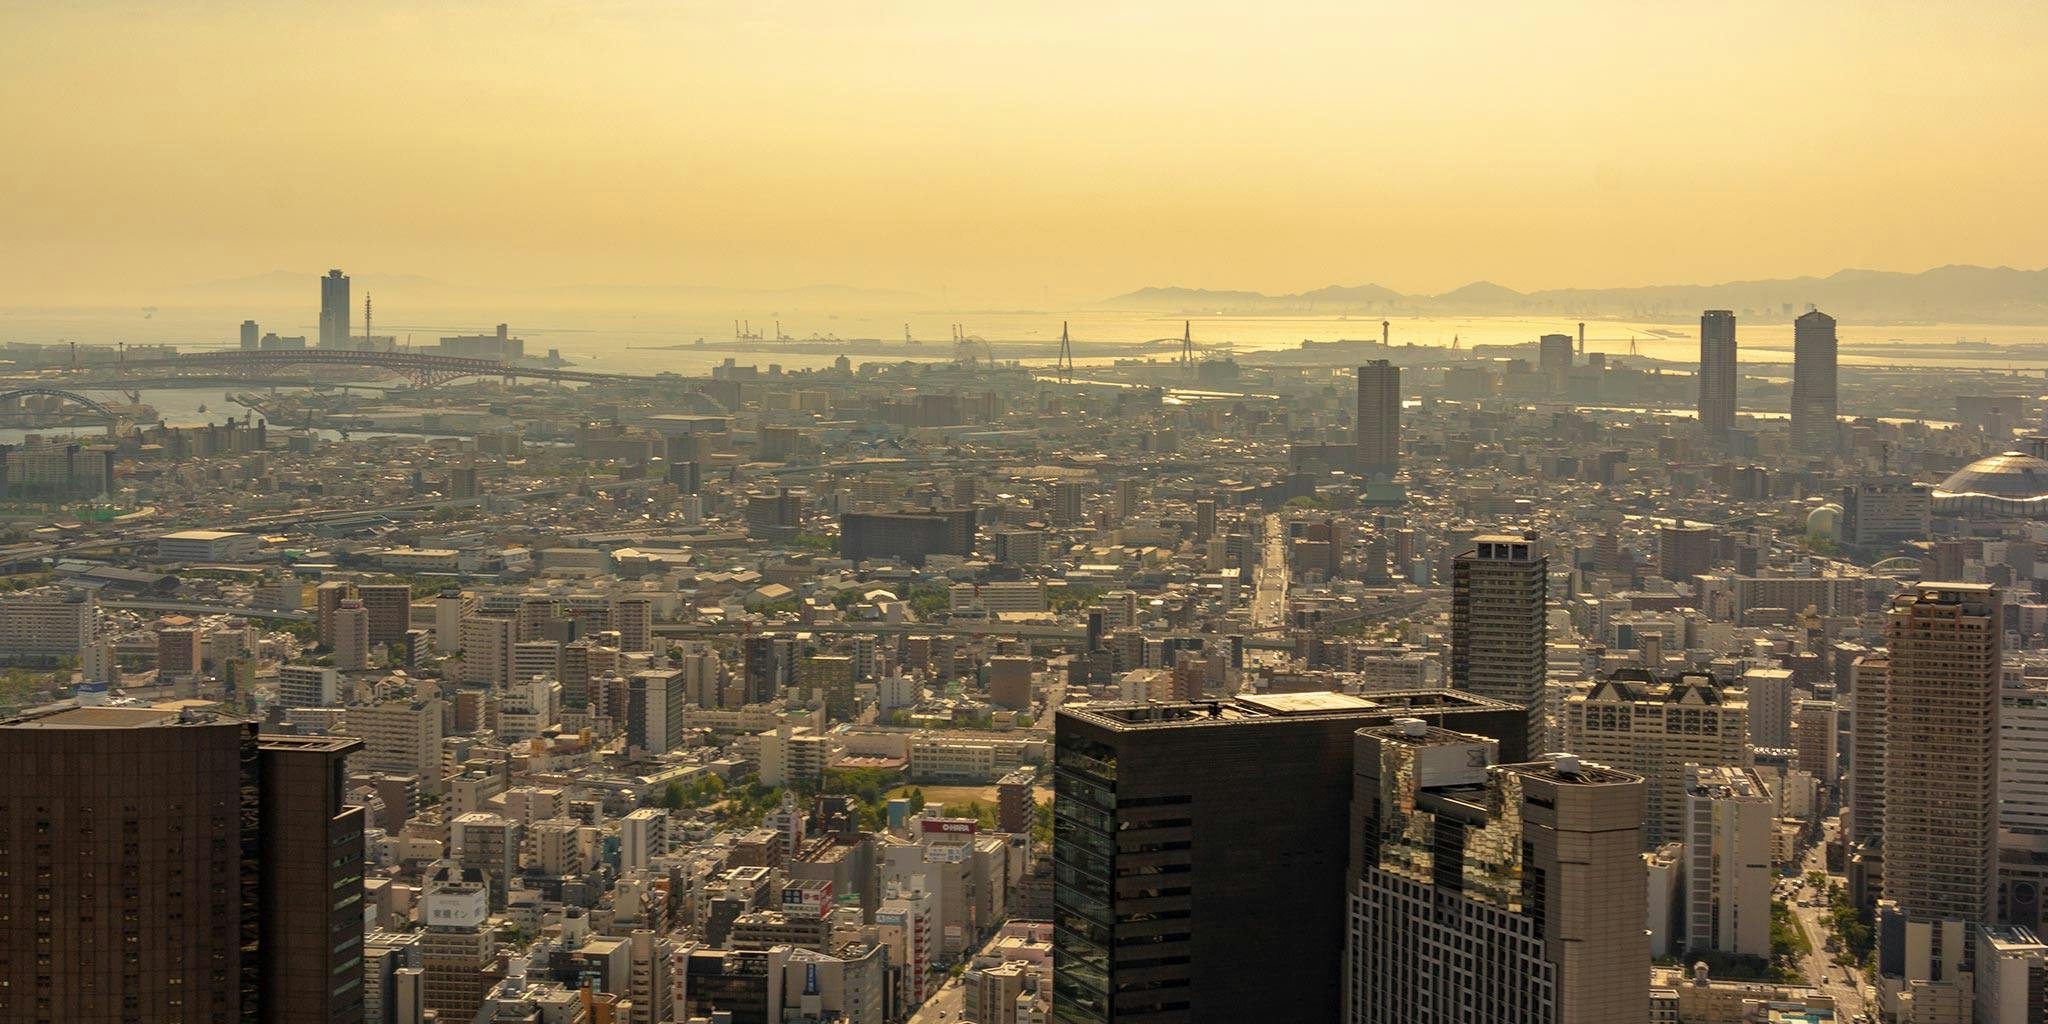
(1953, 294)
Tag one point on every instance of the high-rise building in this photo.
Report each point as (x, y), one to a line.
(1941, 752)
(457, 953)
(1865, 791)
(1654, 727)
(1498, 591)
(1717, 373)
(390, 608)
(1769, 691)
(1198, 845)
(1487, 892)
(655, 705)
(308, 686)
(1685, 550)
(1729, 831)
(1069, 503)
(251, 336)
(351, 636)
(334, 310)
(1554, 362)
(487, 643)
(1813, 384)
(326, 598)
(402, 737)
(1379, 419)
(1816, 734)
(2023, 761)
(161, 866)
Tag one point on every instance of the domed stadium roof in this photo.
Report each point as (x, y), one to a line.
(2009, 484)
(2011, 475)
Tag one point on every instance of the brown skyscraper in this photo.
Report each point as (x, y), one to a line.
(1379, 418)
(1813, 384)
(160, 868)
(1717, 373)
(1499, 593)
(1941, 752)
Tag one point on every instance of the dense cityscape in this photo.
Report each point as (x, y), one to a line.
(652, 512)
(1367, 681)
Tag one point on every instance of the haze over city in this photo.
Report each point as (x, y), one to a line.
(667, 513)
(1045, 156)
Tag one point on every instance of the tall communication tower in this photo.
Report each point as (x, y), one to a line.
(1582, 337)
(1065, 366)
(366, 316)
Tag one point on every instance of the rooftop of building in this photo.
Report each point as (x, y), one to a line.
(109, 717)
(1567, 770)
(1131, 715)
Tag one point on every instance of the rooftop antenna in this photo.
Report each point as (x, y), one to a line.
(1065, 366)
(1187, 344)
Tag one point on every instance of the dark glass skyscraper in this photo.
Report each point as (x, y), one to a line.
(1199, 851)
(1717, 373)
(1813, 384)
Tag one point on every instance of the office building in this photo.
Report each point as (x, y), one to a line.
(402, 737)
(351, 636)
(1941, 752)
(1813, 384)
(1498, 628)
(46, 623)
(1487, 892)
(390, 609)
(655, 708)
(1816, 735)
(251, 336)
(1769, 692)
(2023, 761)
(1554, 363)
(2011, 977)
(334, 310)
(1653, 727)
(1880, 511)
(1730, 822)
(180, 868)
(1378, 426)
(908, 536)
(1684, 550)
(308, 686)
(1163, 917)
(457, 951)
(1717, 374)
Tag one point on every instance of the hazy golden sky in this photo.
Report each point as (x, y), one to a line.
(1016, 152)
